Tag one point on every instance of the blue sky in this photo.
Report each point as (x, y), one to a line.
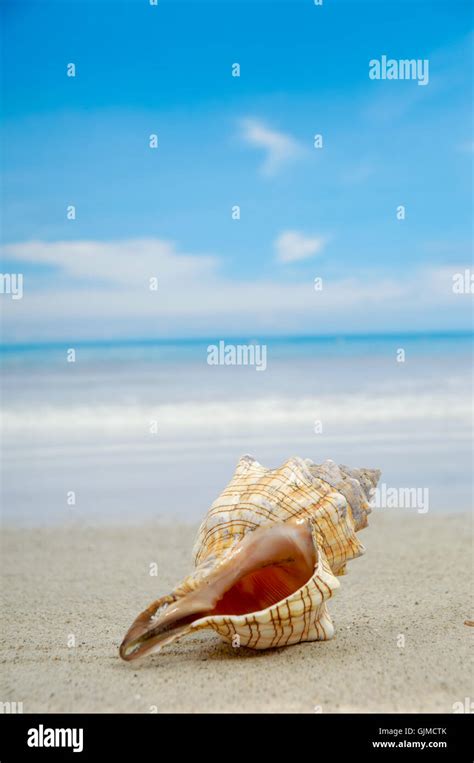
(166, 212)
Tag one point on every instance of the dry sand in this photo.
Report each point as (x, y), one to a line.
(414, 581)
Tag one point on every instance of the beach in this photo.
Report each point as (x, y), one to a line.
(70, 592)
(110, 463)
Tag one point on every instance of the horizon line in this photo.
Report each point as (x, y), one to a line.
(234, 339)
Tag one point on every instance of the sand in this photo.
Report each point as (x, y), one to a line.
(89, 583)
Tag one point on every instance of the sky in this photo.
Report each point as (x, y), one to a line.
(166, 213)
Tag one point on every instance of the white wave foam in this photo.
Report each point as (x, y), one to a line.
(236, 416)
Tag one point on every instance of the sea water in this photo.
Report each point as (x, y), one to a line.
(139, 430)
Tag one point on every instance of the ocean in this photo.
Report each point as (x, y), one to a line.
(135, 431)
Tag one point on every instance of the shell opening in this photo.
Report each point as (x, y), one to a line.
(266, 567)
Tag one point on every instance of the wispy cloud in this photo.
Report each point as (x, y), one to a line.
(129, 263)
(279, 147)
(99, 289)
(292, 246)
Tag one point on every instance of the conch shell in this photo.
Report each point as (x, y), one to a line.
(267, 558)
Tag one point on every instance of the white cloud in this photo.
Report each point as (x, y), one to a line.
(127, 263)
(292, 246)
(101, 290)
(279, 148)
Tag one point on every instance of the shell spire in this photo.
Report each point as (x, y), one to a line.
(267, 558)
